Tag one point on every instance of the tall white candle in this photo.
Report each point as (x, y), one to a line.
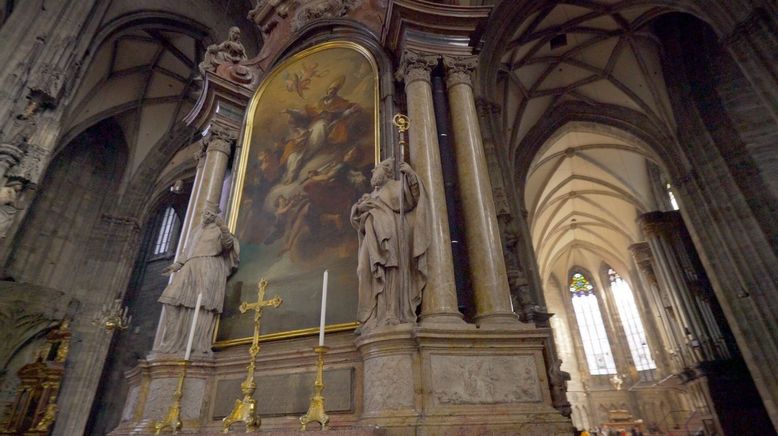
(323, 309)
(194, 324)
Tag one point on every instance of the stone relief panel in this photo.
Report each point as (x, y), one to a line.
(484, 379)
(161, 390)
(388, 383)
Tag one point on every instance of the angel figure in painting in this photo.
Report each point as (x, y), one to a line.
(211, 256)
(393, 227)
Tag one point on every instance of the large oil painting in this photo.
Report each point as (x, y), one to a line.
(309, 146)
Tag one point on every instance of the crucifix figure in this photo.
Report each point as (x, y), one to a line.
(245, 410)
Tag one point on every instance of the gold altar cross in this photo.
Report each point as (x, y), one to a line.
(245, 410)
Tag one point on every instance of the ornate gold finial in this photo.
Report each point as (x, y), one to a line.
(245, 410)
(403, 123)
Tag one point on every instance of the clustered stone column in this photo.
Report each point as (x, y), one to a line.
(487, 265)
(699, 328)
(671, 335)
(440, 300)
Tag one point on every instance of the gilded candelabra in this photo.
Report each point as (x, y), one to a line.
(316, 411)
(245, 410)
(172, 420)
(113, 317)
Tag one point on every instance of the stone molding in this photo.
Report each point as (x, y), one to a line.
(416, 66)
(459, 70)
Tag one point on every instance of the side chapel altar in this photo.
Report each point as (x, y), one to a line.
(301, 174)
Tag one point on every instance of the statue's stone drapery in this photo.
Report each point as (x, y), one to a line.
(211, 256)
(392, 223)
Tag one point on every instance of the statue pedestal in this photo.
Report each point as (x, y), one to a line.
(458, 379)
(152, 385)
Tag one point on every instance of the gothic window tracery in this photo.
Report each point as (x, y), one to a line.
(633, 325)
(587, 313)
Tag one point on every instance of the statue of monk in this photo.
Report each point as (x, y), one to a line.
(211, 255)
(393, 227)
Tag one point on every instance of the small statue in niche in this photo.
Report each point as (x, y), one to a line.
(211, 256)
(393, 227)
(230, 51)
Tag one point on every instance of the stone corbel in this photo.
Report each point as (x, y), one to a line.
(416, 66)
(459, 70)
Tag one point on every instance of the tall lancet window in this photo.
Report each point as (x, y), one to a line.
(587, 313)
(633, 326)
(167, 227)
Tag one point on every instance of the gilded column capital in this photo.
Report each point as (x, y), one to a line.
(416, 66)
(459, 70)
(219, 139)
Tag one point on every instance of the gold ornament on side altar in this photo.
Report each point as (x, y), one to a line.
(245, 410)
(172, 419)
(316, 408)
(112, 317)
(403, 123)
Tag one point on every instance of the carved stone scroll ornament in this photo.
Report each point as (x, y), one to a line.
(225, 59)
(311, 10)
(416, 66)
(459, 70)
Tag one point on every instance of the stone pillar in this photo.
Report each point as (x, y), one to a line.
(439, 303)
(678, 275)
(754, 43)
(487, 264)
(668, 328)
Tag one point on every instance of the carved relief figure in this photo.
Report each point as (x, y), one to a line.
(392, 223)
(211, 256)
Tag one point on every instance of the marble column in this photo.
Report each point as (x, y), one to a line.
(487, 264)
(439, 302)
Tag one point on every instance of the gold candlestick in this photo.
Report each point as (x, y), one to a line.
(245, 410)
(316, 408)
(172, 420)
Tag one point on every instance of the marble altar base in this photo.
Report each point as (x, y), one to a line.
(456, 379)
(431, 379)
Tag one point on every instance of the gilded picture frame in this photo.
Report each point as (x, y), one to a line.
(312, 134)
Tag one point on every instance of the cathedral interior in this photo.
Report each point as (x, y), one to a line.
(586, 218)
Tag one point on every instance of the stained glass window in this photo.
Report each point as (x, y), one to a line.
(630, 318)
(587, 314)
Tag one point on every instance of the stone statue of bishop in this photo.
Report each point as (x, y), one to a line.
(211, 255)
